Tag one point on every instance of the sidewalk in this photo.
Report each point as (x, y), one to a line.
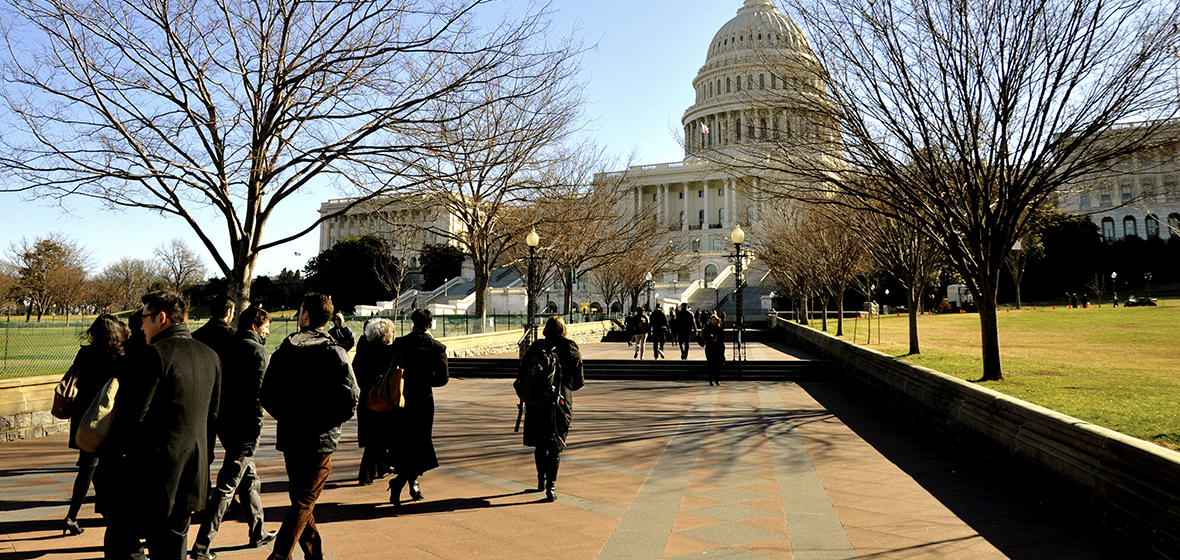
(748, 470)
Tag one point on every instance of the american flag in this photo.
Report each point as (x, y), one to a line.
(298, 254)
(704, 128)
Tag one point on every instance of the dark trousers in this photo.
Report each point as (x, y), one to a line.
(239, 475)
(547, 459)
(306, 475)
(167, 538)
(87, 462)
(658, 339)
(685, 339)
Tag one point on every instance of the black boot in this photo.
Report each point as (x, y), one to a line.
(542, 463)
(551, 477)
(415, 491)
(395, 489)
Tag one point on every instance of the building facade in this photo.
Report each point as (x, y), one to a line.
(407, 221)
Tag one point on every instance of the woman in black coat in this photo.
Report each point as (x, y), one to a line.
(546, 427)
(373, 358)
(714, 336)
(411, 447)
(94, 365)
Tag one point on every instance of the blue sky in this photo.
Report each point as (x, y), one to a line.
(639, 83)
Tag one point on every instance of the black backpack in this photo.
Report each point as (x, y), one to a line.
(537, 384)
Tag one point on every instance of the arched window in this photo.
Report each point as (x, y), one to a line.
(710, 273)
(739, 83)
(1174, 224)
(721, 215)
(761, 81)
(749, 215)
(1151, 226)
(729, 85)
(1108, 229)
(701, 218)
(773, 81)
(1129, 227)
(682, 213)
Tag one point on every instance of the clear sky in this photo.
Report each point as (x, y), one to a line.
(639, 83)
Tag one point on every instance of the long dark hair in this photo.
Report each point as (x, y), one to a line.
(107, 334)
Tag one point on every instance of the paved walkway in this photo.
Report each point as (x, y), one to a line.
(747, 471)
(755, 351)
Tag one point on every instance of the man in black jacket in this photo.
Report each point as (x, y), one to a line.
(239, 424)
(156, 459)
(217, 330)
(659, 332)
(309, 388)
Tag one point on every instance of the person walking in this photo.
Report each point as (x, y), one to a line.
(217, 330)
(341, 332)
(659, 332)
(546, 427)
(94, 365)
(642, 327)
(154, 469)
(373, 358)
(714, 336)
(309, 388)
(685, 326)
(244, 359)
(424, 360)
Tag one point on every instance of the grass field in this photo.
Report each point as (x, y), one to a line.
(1115, 367)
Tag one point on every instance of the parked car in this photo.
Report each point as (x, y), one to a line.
(1139, 302)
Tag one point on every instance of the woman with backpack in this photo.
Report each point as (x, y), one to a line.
(546, 427)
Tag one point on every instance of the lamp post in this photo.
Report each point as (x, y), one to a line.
(648, 280)
(530, 330)
(739, 350)
(1147, 276)
(1114, 286)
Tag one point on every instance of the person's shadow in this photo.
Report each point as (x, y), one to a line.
(365, 511)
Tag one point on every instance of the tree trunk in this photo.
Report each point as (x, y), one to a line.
(481, 293)
(990, 336)
(806, 302)
(825, 312)
(237, 285)
(568, 298)
(840, 315)
(915, 299)
(1017, 294)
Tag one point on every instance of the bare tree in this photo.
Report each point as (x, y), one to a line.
(49, 271)
(840, 255)
(232, 109)
(179, 266)
(8, 293)
(121, 283)
(905, 253)
(956, 118)
(493, 159)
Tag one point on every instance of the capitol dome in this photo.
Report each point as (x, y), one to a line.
(759, 78)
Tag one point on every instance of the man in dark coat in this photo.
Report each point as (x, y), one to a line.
(659, 332)
(217, 330)
(239, 424)
(546, 427)
(424, 360)
(685, 326)
(155, 462)
(309, 388)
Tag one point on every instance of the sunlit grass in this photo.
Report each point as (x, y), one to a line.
(1115, 367)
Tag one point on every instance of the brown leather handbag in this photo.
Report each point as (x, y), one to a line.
(387, 392)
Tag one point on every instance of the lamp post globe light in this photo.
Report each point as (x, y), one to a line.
(532, 240)
(739, 350)
(1114, 286)
(647, 278)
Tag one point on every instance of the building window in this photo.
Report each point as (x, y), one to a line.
(1174, 225)
(1108, 229)
(1085, 201)
(710, 273)
(701, 194)
(701, 217)
(773, 81)
(1151, 226)
(1104, 197)
(716, 244)
(682, 194)
(761, 81)
(721, 191)
(729, 85)
(721, 215)
(1147, 187)
(696, 245)
(655, 197)
(684, 276)
(1125, 190)
(739, 83)
(751, 130)
(1170, 190)
(681, 218)
(1129, 227)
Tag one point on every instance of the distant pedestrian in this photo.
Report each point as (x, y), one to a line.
(714, 336)
(342, 333)
(1073, 300)
(217, 330)
(244, 359)
(659, 332)
(310, 390)
(546, 427)
(642, 328)
(154, 471)
(94, 365)
(424, 360)
(1085, 300)
(373, 359)
(685, 326)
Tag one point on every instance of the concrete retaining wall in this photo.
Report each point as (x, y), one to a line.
(472, 345)
(1131, 484)
(24, 408)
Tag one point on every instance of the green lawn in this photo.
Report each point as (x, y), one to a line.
(1115, 367)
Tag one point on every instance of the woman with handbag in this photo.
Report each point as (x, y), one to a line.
(546, 427)
(411, 445)
(94, 365)
(714, 336)
(374, 356)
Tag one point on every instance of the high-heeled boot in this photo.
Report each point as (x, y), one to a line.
(71, 527)
(542, 463)
(395, 489)
(415, 491)
(551, 478)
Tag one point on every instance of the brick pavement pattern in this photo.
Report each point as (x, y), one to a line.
(748, 470)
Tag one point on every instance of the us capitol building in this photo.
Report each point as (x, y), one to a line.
(749, 93)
